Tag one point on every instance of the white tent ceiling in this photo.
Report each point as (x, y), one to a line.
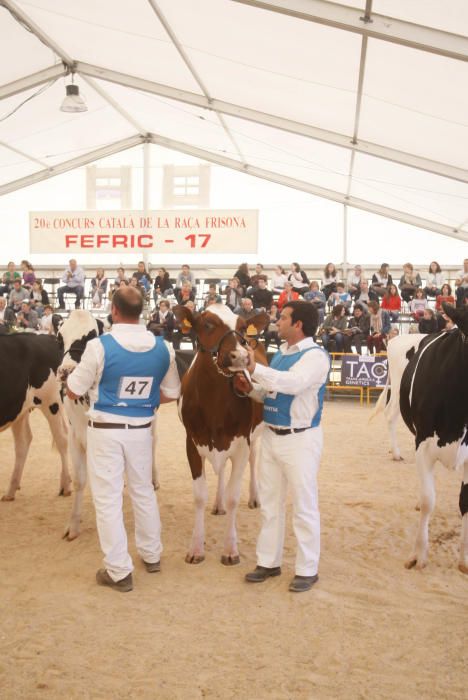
(335, 99)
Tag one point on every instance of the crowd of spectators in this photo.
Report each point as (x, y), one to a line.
(353, 313)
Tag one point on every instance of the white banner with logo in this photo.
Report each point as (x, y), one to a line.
(173, 231)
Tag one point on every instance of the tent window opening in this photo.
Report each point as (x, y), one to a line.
(186, 186)
(108, 188)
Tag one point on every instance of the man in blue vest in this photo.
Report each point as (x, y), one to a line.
(128, 373)
(292, 390)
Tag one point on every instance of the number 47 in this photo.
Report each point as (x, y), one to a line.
(192, 237)
(131, 388)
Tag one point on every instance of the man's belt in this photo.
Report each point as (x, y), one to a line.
(288, 431)
(118, 426)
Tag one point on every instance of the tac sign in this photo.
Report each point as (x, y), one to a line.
(364, 370)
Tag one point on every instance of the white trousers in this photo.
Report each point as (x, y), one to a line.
(110, 455)
(290, 460)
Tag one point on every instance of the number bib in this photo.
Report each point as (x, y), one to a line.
(135, 387)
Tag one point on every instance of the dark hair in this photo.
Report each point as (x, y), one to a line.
(297, 267)
(325, 270)
(437, 267)
(305, 312)
(446, 284)
(129, 302)
(374, 305)
(381, 270)
(389, 289)
(336, 311)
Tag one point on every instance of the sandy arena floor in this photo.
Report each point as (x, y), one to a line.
(369, 629)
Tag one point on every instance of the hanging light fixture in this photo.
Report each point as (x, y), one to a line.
(73, 102)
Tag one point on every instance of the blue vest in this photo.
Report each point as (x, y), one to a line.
(277, 409)
(130, 380)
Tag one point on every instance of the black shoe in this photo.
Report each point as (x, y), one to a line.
(124, 585)
(261, 573)
(299, 584)
(152, 567)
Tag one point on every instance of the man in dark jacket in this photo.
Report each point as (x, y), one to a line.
(261, 297)
(358, 329)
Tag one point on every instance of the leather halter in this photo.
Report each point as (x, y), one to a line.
(215, 350)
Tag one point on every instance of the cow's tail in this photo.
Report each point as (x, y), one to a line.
(381, 401)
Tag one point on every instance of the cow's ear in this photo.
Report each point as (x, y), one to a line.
(185, 317)
(100, 326)
(254, 326)
(56, 322)
(451, 311)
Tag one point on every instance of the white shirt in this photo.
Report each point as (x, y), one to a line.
(303, 380)
(87, 375)
(435, 279)
(463, 276)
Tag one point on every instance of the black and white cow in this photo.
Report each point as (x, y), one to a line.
(434, 406)
(28, 366)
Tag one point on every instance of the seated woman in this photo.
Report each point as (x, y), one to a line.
(435, 280)
(410, 281)
(379, 327)
(329, 279)
(288, 294)
(271, 333)
(29, 276)
(143, 276)
(354, 280)
(418, 304)
(316, 297)
(391, 302)
(185, 293)
(98, 287)
(162, 321)
(333, 328)
(380, 281)
(278, 280)
(162, 284)
(233, 294)
(340, 297)
(39, 298)
(298, 279)
(445, 295)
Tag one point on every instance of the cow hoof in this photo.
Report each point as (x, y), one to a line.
(70, 536)
(217, 511)
(65, 492)
(410, 563)
(194, 558)
(230, 560)
(398, 459)
(6, 497)
(463, 568)
(254, 503)
(156, 486)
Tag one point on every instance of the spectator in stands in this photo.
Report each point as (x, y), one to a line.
(233, 294)
(418, 304)
(329, 279)
(8, 278)
(261, 296)
(435, 280)
(17, 295)
(428, 322)
(354, 280)
(380, 327)
(410, 281)
(288, 294)
(333, 328)
(186, 275)
(29, 276)
(461, 284)
(212, 297)
(121, 275)
(45, 321)
(162, 284)
(380, 281)
(7, 316)
(358, 329)
(391, 302)
(189, 334)
(74, 279)
(185, 293)
(162, 321)
(98, 287)
(271, 333)
(341, 296)
(135, 283)
(27, 317)
(255, 279)
(246, 310)
(299, 279)
(316, 297)
(243, 275)
(143, 276)
(278, 279)
(363, 297)
(38, 298)
(445, 295)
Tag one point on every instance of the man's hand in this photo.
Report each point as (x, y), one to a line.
(241, 383)
(251, 360)
(71, 395)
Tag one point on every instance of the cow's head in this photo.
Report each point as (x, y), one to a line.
(72, 335)
(251, 329)
(216, 331)
(459, 315)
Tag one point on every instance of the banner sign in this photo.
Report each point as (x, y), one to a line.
(364, 370)
(173, 231)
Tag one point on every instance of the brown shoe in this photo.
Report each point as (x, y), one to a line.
(152, 567)
(124, 585)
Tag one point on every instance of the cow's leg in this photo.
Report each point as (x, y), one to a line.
(196, 553)
(254, 501)
(427, 502)
(219, 506)
(78, 457)
(22, 436)
(230, 554)
(392, 411)
(463, 563)
(58, 427)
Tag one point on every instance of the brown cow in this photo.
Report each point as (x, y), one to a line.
(219, 423)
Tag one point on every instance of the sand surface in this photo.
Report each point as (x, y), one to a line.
(369, 629)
